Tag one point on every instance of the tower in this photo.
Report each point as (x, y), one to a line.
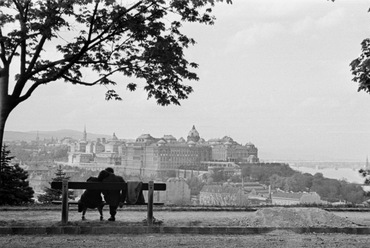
(84, 138)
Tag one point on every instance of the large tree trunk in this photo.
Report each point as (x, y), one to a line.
(7, 103)
(4, 114)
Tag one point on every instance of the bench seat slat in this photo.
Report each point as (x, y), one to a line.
(104, 185)
(76, 203)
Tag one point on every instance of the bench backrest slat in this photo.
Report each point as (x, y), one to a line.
(104, 185)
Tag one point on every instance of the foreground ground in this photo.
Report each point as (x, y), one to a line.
(275, 239)
(269, 217)
(266, 217)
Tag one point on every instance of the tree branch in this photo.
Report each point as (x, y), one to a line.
(89, 44)
(2, 46)
(29, 92)
(92, 21)
(25, 75)
(36, 54)
(74, 81)
(99, 38)
(23, 48)
(10, 58)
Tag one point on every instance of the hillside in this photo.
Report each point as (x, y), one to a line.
(59, 134)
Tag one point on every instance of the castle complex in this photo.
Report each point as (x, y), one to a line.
(149, 156)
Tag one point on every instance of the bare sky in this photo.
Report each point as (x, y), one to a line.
(274, 73)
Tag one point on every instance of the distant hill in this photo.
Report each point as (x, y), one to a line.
(29, 136)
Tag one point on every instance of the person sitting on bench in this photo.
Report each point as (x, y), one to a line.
(113, 198)
(91, 199)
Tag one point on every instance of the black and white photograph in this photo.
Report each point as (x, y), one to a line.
(184, 123)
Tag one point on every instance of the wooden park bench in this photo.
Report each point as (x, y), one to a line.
(66, 185)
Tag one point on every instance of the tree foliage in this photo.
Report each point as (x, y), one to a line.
(34, 154)
(134, 40)
(366, 175)
(262, 173)
(14, 187)
(55, 194)
(360, 67)
(219, 175)
(195, 185)
(329, 189)
(66, 39)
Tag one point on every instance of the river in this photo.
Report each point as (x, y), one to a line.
(347, 174)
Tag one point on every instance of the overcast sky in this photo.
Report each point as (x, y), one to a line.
(274, 73)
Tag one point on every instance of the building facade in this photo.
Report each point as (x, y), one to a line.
(147, 156)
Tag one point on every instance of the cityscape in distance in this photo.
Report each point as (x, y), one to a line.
(11, 136)
(81, 154)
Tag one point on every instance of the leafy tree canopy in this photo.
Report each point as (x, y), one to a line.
(360, 67)
(135, 39)
(51, 40)
(366, 175)
(329, 189)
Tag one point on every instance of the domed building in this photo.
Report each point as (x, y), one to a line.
(145, 138)
(226, 149)
(252, 151)
(169, 139)
(193, 135)
(147, 156)
(113, 144)
(150, 156)
(161, 142)
(111, 154)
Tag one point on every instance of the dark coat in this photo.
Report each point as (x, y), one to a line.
(91, 198)
(112, 197)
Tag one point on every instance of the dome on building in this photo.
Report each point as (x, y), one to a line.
(192, 143)
(193, 135)
(169, 138)
(193, 132)
(249, 144)
(161, 142)
(144, 138)
(228, 143)
(113, 140)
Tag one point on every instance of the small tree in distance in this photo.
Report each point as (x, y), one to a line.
(55, 194)
(14, 187)
(366, 175)
(195, 185)
(139, 39)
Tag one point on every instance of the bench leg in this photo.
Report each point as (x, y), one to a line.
(65, 204)
(150, 202)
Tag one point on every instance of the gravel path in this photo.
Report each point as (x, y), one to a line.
(263, 217)
(269, 217)
(275, 239)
